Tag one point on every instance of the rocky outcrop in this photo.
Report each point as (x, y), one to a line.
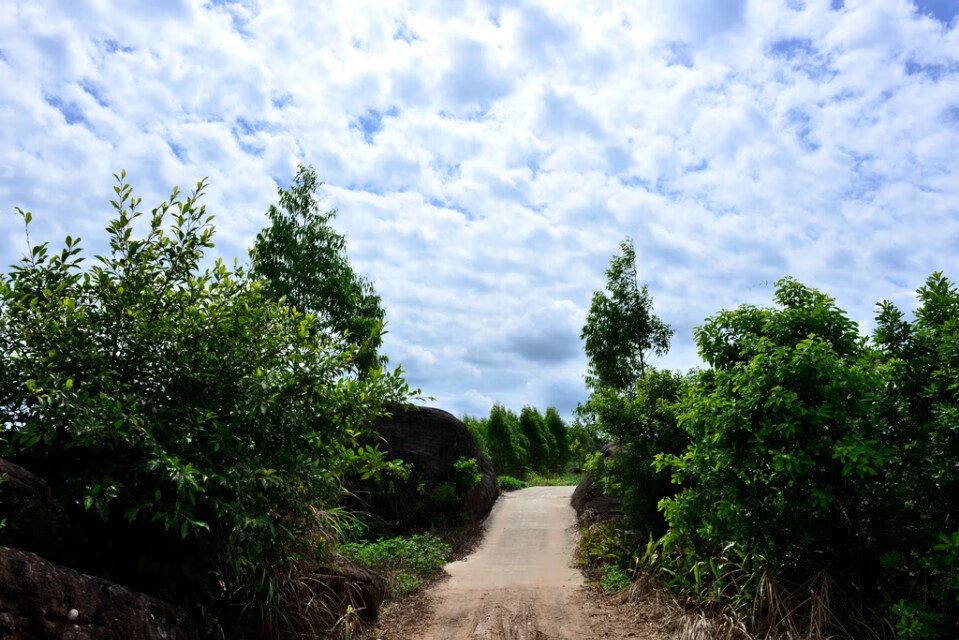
(41, 600)
(589, 501)
(35, 521)
(432, 440)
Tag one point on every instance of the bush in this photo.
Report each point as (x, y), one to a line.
(196, 428)
(405, 559)
(509, 483)
(825, 461)
(613, 579)
(643, 423)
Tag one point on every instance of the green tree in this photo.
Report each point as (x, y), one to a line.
(195, 428)
(913, 509)
(506, 444)
(621, 331)
(538, 450)
(631, 402)
(302, 259)
(557, 429)
(782, 434)
(645, 425)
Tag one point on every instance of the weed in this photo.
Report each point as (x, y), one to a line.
(404, 559)
(613, 579)
(509, 483)
(534, 479)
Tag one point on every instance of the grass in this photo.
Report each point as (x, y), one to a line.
(404, 560)
(509, 483)
(534, 479)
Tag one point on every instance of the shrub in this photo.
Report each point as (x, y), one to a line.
(404, 559)
(196, 428)
(509, 483)
(614, 579)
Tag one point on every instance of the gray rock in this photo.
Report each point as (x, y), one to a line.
(589, 501)
(432, 440)
(35, 520)
(40, 600)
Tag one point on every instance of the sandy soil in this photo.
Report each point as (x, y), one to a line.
(520, 584)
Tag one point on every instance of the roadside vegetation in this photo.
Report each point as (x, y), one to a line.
(198, 422)
(803, 485)
(406, 560)
(532, 448)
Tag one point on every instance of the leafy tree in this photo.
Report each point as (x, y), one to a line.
(621, 332)
(302, 259)
(506, 445)
(557, 429)
(585, 439)
(645, 425)
(195, 427)
(780, 432)
(913, 511)
(631, 402)
(538, 451)
(477, 427)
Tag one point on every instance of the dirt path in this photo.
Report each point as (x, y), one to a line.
(520, 584)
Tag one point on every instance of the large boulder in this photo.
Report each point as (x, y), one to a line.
(590, 502)
(35, 521)
(431, 441)
(41, 600)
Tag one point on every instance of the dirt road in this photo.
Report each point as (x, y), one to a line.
(519, 584)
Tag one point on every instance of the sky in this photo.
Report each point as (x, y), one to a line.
(486, 159)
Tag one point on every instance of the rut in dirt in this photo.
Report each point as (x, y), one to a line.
(519, 584)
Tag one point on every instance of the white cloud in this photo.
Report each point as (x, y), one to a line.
(488, 157)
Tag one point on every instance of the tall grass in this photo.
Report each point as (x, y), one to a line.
(569, 479)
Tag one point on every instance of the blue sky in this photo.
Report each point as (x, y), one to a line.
(487, 158)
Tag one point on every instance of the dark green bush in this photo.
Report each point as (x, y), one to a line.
(825, 459)
(509, 483)
(196, 429)
(643, 423)
(405, 559)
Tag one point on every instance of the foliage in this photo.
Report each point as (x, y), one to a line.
(196, 427)
(818, 454)
(815, 478)
(303, 261)
(508, 447)
(643, 424)
(509, 483)
(780, 433)
(529, 444)
(406, 498)
(621, 332)
(585, 439)
(447, 497)
(614, 579)
(631, 403)
(540, 448)
(477, 428)
(553, 479)
(405, 559)
(560, 449)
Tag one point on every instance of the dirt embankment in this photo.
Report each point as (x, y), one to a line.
(519, 585)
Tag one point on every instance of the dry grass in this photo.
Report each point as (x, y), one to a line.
(815, 610)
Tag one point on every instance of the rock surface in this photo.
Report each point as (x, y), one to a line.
(40, 600)
(35, 520)
(589, 501)
(432, 440)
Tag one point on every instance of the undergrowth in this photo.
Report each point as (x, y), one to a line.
(404, 560)
(509, 483)
(534, 479)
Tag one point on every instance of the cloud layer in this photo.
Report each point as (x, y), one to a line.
(487, 158)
